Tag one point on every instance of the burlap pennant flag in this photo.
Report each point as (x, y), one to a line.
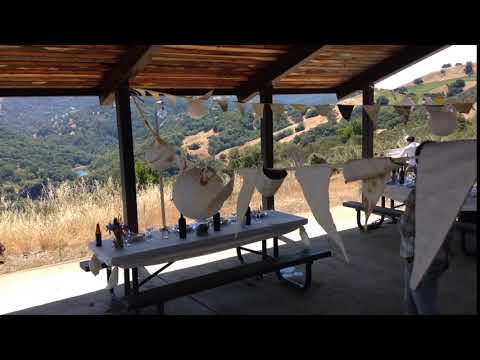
(245, 195)
(445, 173)
(258, 109)
(197, 108)
(407, 101)
(372, 112)
(345, 110)
(172, 99)
(443, 121)
(277, 110)
(463, 108)
(206, 96)
(113, 280)
(372, 189)
(241, 108)
(315, 182)
(439, 100)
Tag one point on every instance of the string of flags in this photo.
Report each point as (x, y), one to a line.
(198, 107)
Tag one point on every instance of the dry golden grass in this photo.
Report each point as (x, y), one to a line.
(59, 227)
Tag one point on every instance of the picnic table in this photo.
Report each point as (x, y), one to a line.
(159, 250)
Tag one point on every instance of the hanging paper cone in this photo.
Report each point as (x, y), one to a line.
(463, 108)
(324, 110)
(403, 111)
(345, 110)
(197, 109)
(372, 112)
(223, 105)
(258, 108)
(442, 120)
(445, 173)
(315, 182)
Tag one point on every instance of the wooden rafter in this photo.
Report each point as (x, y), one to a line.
(286, 63)
(130, 64)
(408, 56)
(24, 92)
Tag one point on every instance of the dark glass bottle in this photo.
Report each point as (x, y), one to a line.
(248, 217)
(394, 176)
(98, 236)
(401, 179)
(216, 222)
(182, 227)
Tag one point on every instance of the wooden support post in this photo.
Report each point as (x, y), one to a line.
(266, 138)
(127, 163)
(367, 126)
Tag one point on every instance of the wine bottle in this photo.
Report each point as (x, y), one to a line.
(182, 227)
(401, 179)
(98, 236)
(216, 222)
(248, 217)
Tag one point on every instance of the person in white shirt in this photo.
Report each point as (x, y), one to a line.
(409, 151)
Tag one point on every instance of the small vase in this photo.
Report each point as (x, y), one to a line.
(118, 241)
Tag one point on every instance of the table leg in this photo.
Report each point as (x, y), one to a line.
(275, 246)
(135, 280)
(126, 275)
(109, 273)
(264, 249)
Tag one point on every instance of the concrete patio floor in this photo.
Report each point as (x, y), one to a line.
(371, 284)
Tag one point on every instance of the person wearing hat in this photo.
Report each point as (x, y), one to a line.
(409, 150)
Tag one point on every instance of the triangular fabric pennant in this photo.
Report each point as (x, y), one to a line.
(428, 101)
(413, 97)
(223, 105)
(206, 96)
(363, 169)
(403, 111)
(299, 107)
(345, 110)
(443, 121)
(95, 265)
(245, 195)
(258, 108)
(241, 108)
(372, 112)
(445, 173)
(113, 280)
(155, 94)
(324, 110)
(372, 189)
(439, 100)
(407, 101)
(277, 108)
(197, 109)
(463, 108)
(315, 181)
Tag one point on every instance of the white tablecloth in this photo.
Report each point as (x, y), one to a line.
(157, 250)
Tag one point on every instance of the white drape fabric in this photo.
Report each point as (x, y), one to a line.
(445, 174)
(372, 189)
(248, 186)
(113, 280)
(315, 181)
(367, 168)
(95, 265)
(372, 112)
(443, 121)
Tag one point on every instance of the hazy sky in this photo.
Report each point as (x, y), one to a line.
(452, 54)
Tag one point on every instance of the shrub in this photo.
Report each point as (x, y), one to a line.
(469, 68)
(442, 72)
(194, 146)
(401, 90)
(283, 134)
(458, 64)
(382, 100)
(418, 81)
(445, 66)
(315, 159)
(300, 127)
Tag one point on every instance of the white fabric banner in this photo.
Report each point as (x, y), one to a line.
(248, 186)
(197, 109)
(372, 189)
(113, 280)
(258, 108)
(463, 108)
(315, 181)
(445, 174)
(372, 112)
(95, 265)
(367, 168)
(443, 121)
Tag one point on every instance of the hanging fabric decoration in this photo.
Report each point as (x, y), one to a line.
(463, 108)
(113, 280)
(304, 236)
(269, 181)
(367, 168)
(428, 101)
(206, 96)
(403, 111)
(445, 173)
(439, 100)
(315, 181)
(277, 108)
(299, 107)
(248, 186)
(372, 112)
(172, 99)
(200, 193)
(258, 108)
(241, 108)
(324, 110)
(443, 121)
(372, 189)
(142, 92)
(407, 101)
(155, 94)
(223, 105)
(161, 156)
(95, 265)
(197, 109)
(413, 98)
(345, 111)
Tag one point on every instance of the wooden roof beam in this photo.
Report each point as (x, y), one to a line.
(296, 56)
(26, 92)
(410, 55)
(130, 64)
